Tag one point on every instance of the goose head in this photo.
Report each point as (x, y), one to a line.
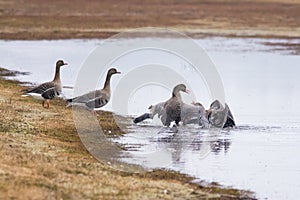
(179, 88)
(112, 71)
(60, 63)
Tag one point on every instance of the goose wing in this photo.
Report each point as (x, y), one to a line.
(98, 102)
(47, 90)
(157, 109)
(230, 120)
(40, 89)
(85, 97)
(93, 99)
(50, 93)
(216, 105)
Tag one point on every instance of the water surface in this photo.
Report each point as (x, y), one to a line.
(262, 88)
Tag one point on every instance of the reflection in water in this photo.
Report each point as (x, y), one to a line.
(238, 155)
(173, 143)
(217, 144)
(221, 145)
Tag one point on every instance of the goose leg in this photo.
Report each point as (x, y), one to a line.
(177, 121)
(48, 104)
(167, 122)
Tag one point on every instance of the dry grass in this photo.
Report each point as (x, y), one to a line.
(94, 19)
(42, 157)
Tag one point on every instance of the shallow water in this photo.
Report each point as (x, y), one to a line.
(262, 89)
(263, 159)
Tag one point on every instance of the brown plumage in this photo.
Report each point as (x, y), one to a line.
(48, 90)
(95, 99)
(172, 107)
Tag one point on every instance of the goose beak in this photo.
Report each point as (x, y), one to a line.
(65, 63)
(187, 91)
(118, 72)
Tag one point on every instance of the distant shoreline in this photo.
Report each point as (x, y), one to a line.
(102, 19)
(82, 34)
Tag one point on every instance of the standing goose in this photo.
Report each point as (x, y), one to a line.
(173, 106)
(95, 99)
(48, 90)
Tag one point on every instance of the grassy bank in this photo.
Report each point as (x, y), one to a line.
(43, 157)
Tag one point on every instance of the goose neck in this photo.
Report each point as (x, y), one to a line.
(57, 74)
(107, 81)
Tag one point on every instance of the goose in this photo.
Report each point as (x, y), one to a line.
(95, 99)
(167, 111)
(220, 116)
(190, 114)
(49, 90)
(173, 106)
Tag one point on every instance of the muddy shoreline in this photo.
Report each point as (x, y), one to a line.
(233, 18)
(43, 157)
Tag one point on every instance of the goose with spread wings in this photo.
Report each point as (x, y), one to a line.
(173, 107)
(167, 111)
